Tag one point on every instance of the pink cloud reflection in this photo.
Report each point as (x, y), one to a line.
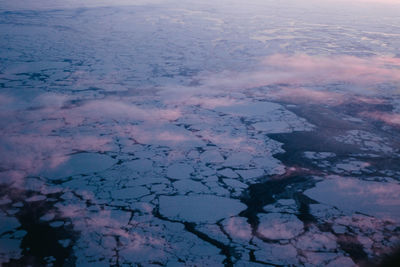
(296, 78)
(43, 138)
(31, 153)
(389, 118)
(209, 102)
(304, 70)
(103, 111)
(299, 95)
(393, 2)
(227, 141)
(314, 69)
(239, 228)
(5, 100)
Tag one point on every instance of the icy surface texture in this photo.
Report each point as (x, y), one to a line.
(199, 133)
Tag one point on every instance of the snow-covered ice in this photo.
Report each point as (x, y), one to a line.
(213, 133)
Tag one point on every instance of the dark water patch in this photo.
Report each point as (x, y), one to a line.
(41, 245)
(336, 120)
(303, 203)
(261, 194)
(352, 246)
(354, 107)
(391, 259)
(325, 118)
(296, 143)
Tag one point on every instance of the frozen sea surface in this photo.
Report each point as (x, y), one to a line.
(199, 133)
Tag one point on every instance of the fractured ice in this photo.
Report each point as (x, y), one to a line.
(195, 134)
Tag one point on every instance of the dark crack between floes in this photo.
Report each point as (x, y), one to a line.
(226, 250)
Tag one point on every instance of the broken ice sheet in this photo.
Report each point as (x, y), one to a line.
(168, 135)
(278, 119)
(176, 129)
(276, 253)
(366, 140)
(211, 156)
(352, 166)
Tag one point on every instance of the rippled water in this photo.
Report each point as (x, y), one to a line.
(192, 134)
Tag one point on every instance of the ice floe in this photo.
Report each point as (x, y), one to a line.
(199, 208)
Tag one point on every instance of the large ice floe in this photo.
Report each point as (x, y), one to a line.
(220, 133)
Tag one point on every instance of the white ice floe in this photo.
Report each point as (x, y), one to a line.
(234, 183)
(228, 173)
(199, 208)
(211, 156)
(314, 240)
(180, 171)
(187, 185)
(140, 165)
(279, 226)
(238, 159)
(250, 174)
(129, 193)
(276, 253)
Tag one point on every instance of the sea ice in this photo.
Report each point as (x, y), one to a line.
(279, 226)
(272, 127)
(179, 171)
(81, 163)
(228, 173)
(129, 193)
(199, 208)
(350, 194)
